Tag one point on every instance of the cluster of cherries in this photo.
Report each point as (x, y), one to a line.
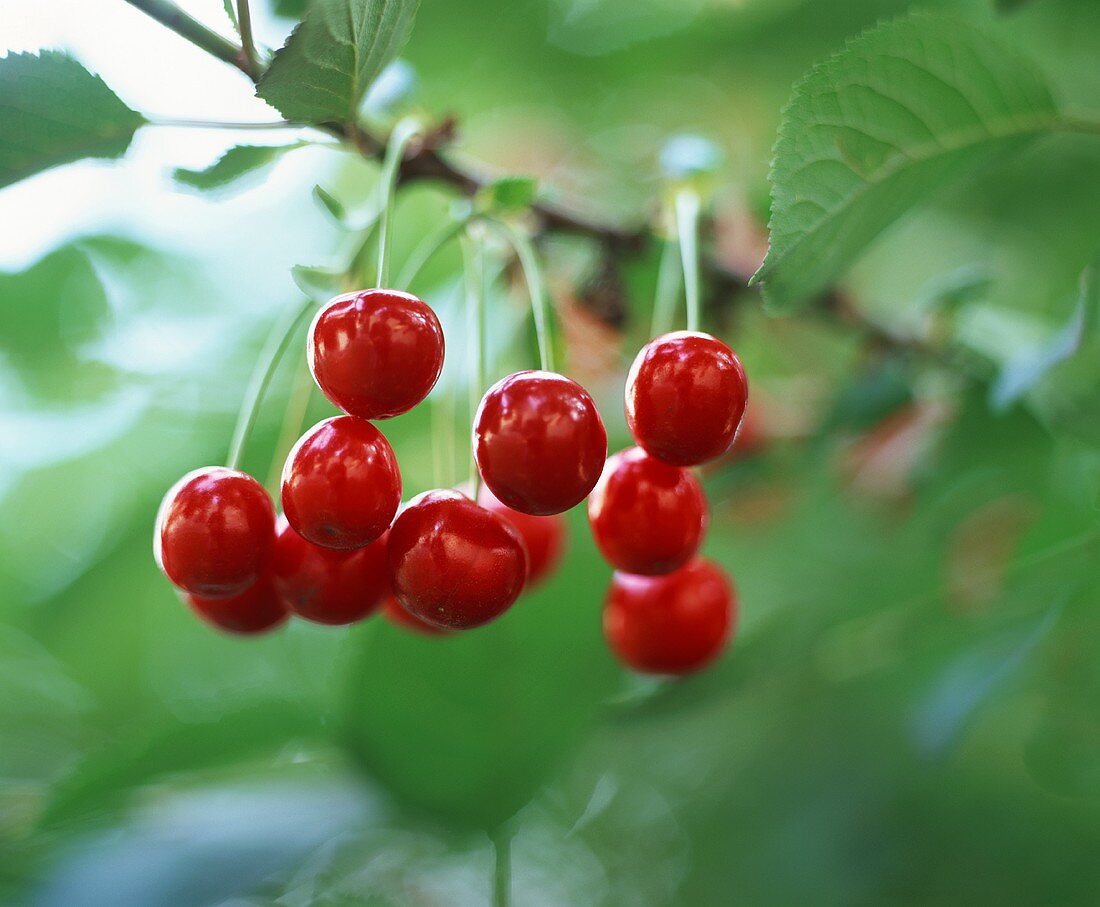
(345, 546)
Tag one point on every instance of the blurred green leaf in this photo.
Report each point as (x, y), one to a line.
(470, 726)
(289, 9)
(231, 13)
(331, 205)
(237, 162)
(317, 283)
(508, 194)
(53, 111)
(47, 313)
(903, 110)
(333, 56)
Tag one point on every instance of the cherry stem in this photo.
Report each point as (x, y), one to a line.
(668, 283)
(172, 17)
(474, 260)
(687, 231)
(502, 867)
(277, 342)
(403, 133)
(296, 407)
(248, 47)
(532, 274)
(428, 247)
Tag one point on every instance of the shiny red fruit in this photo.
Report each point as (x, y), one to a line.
(214, 532)
(256, 610)
(454, 564)
(539, 442)
(543, 536)
(647, 517)
(375, 353)
(399, 617)
(328, 586)
(341, 484)
(685, 396)
(673, 624)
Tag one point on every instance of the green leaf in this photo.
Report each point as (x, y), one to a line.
(332, 205)
(238, 161)
(902, 111)
(53, 111)
(231, 12)
(333, 56)
(508, 194)
(470, 726)
(316, 282)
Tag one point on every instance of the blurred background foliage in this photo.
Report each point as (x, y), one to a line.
(910, 711)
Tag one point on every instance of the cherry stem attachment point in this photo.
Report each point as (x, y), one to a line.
(403, 133)
(474, 261)
(277, 342)
(687, 206)
(532, 274)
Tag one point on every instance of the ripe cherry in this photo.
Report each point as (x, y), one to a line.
(685, 396)
(325, 585)
(375, 353)
(647, 517)
(256, 610)
(341, 484)
(539, 442)
(399, 617)
(214, 532)
(543, 536)
(673, 624)
(454, 564)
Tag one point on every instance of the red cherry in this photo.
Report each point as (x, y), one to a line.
(647, 517)
(375, 353)
(253, 611)
(454, 564)
(685, 396)
(328, 586)
(341, 484)
(539, 442)
(214, 532)
(399, 617)
(673, 624)
(543, 536)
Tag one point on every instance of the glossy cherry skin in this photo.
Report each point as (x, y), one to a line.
(214, 532)
(256, 610)
(328, 586)
(539, 442)
(399, 617)
(647, 517)
(685, 396)
(453, 564)
(543, 536)
(341, 484)
(673, 624)
(375, 353)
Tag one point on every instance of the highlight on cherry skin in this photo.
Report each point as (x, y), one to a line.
(325, 585)
(673, 624)
(686, 394)
(214, 532)
(452, 563)
(647, 517)
(341, 484)
(539, 442)
(375, 353)
(256, 610)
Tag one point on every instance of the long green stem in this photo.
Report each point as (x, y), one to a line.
(215, 124)
(502, 867)
(248, 46)
(687, 230)
(668, 283)
(277, 342)
(174, 18)
(474, 259)
(428, 247)
(402, 134)
(532, 274)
